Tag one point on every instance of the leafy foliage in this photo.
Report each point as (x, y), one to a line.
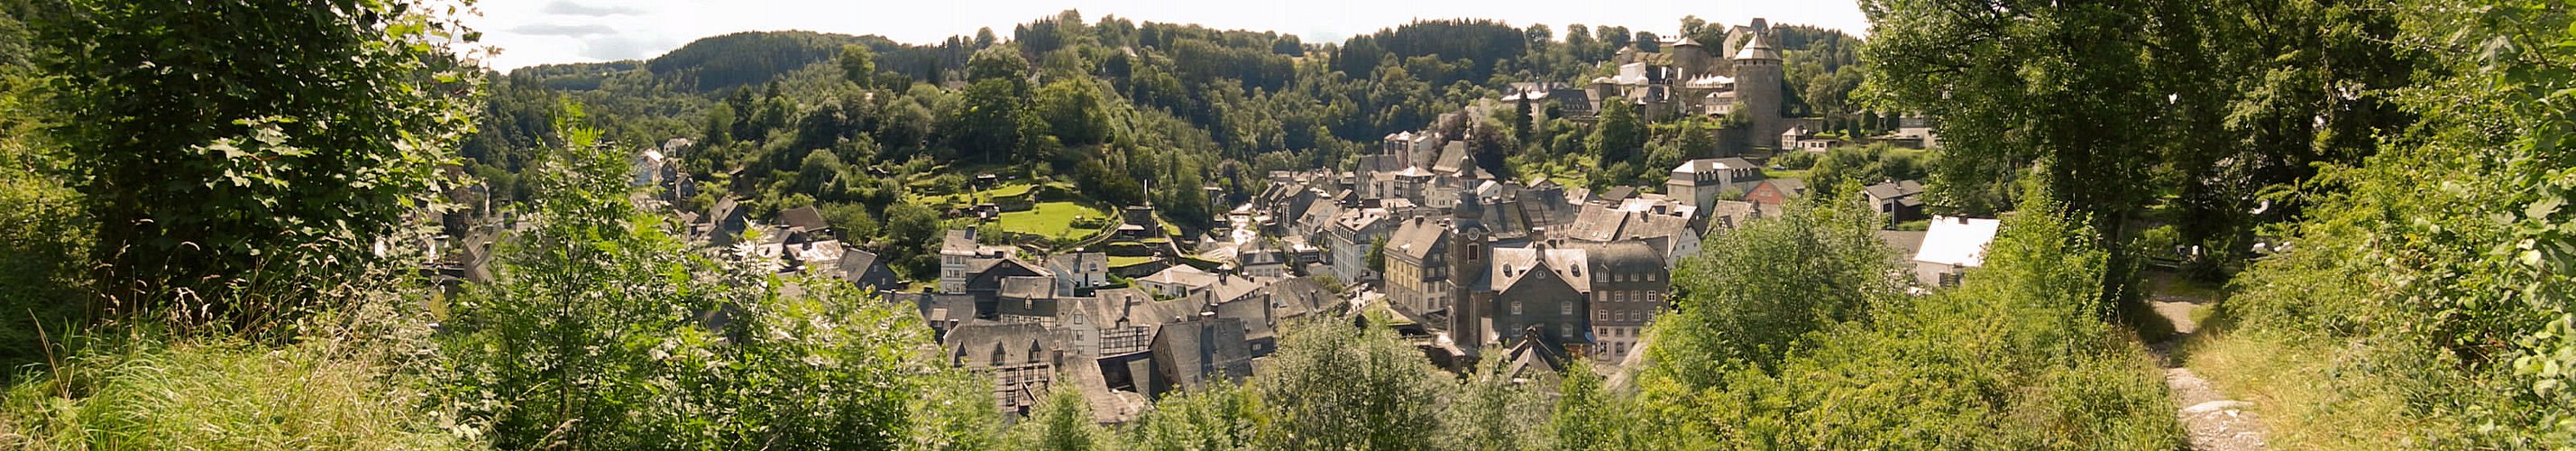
(2446, 254)
(1332, 387)
(240, 177)
(605, 332)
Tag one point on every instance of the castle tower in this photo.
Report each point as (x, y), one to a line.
(1690, 57)
(1758, 85)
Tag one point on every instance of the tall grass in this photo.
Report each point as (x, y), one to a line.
(140, 393)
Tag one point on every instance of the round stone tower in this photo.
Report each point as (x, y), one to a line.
(1757, 84)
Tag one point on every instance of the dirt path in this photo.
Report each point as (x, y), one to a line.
(2214, 422)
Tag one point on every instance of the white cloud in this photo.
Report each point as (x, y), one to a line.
(532, 32)
(575, 8)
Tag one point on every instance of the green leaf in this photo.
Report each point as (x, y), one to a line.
(2544, 208)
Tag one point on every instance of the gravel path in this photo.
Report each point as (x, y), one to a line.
(2215, 422)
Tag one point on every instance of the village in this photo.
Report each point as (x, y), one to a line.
(1418, 236)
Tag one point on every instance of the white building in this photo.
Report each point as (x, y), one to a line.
(1952, 246)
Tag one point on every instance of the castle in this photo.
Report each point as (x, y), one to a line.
(1686, 77)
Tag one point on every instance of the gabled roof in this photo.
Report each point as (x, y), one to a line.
(1957, 241)
(1028, 287)
(1417, 238)
(1893, 190)
(805, 217)
(1791, 187)
(1452, 157)
(973, 345)
(1518, 266)
(1182, 275)
(1203, 351)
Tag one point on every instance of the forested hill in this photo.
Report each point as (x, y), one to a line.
(1109, 106)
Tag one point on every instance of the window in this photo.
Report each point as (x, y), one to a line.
(1516, 307)
(1565, 330)
(1601, 313)
(1565, 308)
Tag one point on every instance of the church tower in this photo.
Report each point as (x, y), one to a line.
(1758, 85)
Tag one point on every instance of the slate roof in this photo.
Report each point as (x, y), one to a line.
(1028, 287)
(1791, 187)
(1516, 266)
(1183, 275)
(805, 217)
(1894, 190)
(1453, 157)
(1757, 50)
(1731, 214)
(1905, 242)
(1417, 238)
(973, 345)
(1203, 351)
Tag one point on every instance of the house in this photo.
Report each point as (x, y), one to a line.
(1776, 192)
(1179, 281)
(1898, 200)
(958, 251)
(1020, 358)
(1266, 263)
(806, 223)
(1027, 299)
(1702, 183)
(726, 221)
(1077, 273)
(1659, 222)
(1950, 247)
(987, 278)
(1629, 282)
(1920, 130)
(1350, 236)
(1417, 267)
(1799, 138)
(1189, 355)
(1540, 287)
(865, 270)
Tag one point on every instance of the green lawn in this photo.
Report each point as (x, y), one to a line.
(1053, 219)
(1008, 189)
(1122, 262)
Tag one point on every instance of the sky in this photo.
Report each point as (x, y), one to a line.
(534, 32)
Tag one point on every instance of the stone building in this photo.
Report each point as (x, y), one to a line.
(1629, 281)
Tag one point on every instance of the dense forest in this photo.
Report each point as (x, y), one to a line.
(217, 245)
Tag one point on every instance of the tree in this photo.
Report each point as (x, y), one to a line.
(858, 64)
(1377, 256)
(993, 63)
(1758, 290)
(2069, 93)
(1619, 136)
(594, 336)
(1062, 422)
(1218, 417)
(249, 176)
(1073, 112)
(990, 128)
(1496, 410)
(1332, 387)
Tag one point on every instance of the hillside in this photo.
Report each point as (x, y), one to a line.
(2341, 225)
